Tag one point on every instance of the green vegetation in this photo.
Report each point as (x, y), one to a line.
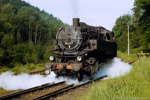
(26, 33)
(19, 68)
(139, 24)
(127, 58)
(135, 85)
(1, 90)
(120, 30)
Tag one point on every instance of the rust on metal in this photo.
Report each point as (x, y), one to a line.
(51, 49)
(69, 67)
(59, 66)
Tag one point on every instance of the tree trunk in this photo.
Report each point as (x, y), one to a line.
(29, 28)
(35, 38)
(31, 33)
(40, 36)
(18, 31)
(18, 34)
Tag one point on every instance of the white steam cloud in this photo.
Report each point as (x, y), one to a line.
(112, 69)
(9, 81)
(74, 4)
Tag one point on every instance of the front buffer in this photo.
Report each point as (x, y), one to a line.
(66, 69)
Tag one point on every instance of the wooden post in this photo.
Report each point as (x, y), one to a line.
(128, 38)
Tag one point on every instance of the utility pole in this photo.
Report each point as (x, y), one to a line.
(128, 37)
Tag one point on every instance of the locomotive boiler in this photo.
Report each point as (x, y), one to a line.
(80, 49)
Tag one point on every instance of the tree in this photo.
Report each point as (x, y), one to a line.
(142, 22)
(120, 30)
(7, 43)
(25, 33)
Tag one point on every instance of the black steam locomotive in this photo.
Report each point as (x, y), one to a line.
(80, 49)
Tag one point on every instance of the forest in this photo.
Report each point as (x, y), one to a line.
(139, 28)
(26, 33)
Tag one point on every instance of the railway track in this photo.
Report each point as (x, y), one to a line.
(64, 90)
(27, 91)
(38, 93)
(42, 72)
(132, 62)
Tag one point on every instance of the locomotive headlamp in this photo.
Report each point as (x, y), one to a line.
(76, 67)
(79, 58)
(51, 58)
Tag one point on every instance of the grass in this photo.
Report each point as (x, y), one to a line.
(127, 58)
(134, 85)
(1, 90)
(19, 68)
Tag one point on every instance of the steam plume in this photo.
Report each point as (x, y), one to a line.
(75, 6)
(9, 81)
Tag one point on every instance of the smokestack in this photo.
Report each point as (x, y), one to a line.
(76, 22)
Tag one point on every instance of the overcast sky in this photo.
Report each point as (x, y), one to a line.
(93, 12)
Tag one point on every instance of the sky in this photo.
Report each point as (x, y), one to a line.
(93, 12)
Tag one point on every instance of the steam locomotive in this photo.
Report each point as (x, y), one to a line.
(80, 49)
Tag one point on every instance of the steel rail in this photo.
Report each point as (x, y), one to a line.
(36, 72)
(63, 90)
(52, 93)
(16, 94)
(132, 62)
